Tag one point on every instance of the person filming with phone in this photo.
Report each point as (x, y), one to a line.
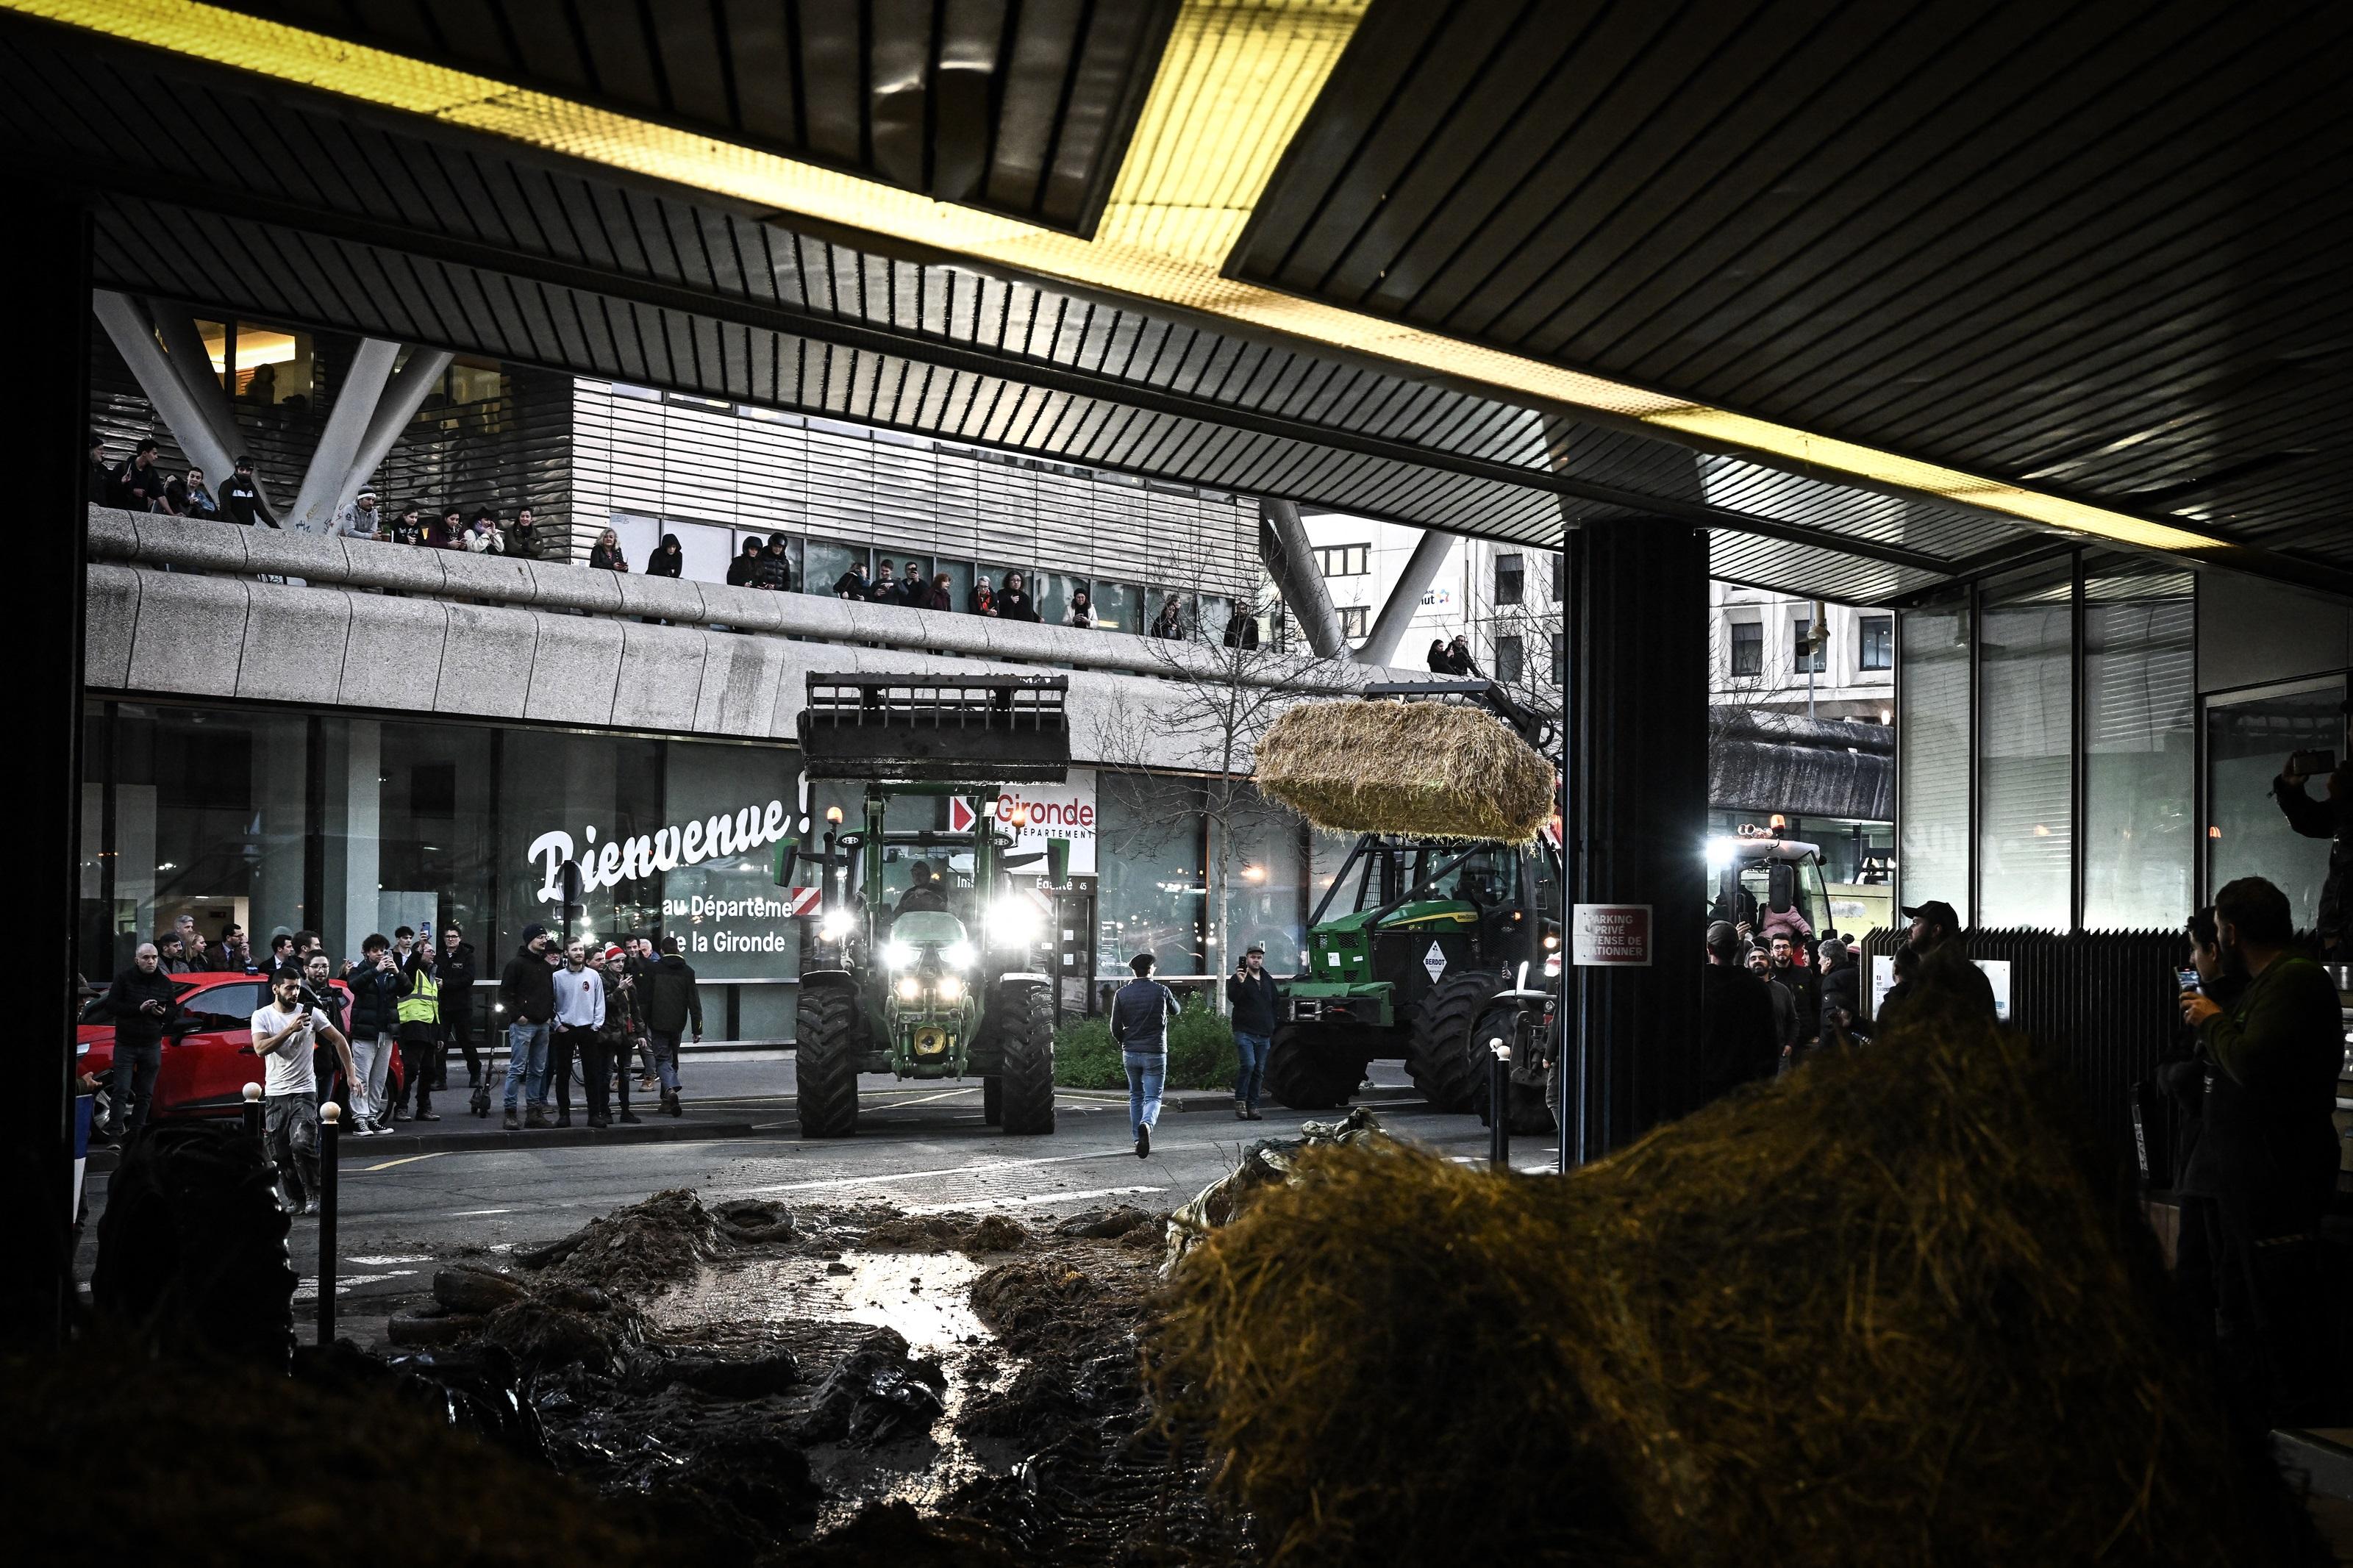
(2330, 819)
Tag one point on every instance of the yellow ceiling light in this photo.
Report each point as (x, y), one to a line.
(1235, 82)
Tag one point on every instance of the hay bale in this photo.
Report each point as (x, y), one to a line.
(1431, 769)
(1892, 1308)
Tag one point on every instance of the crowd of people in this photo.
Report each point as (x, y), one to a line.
(332, 1032)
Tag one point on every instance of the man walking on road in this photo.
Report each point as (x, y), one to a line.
(141, 1000)
(1140, 1011)
(1249, 994)
(670, 1003)
(284, 1034)
(528, 991)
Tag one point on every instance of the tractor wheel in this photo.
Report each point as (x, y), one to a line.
(825, 1061)
(1446, 1064)
(1025, 1038)
(1528, 1111)
(992, 1100)
(1308, 1068)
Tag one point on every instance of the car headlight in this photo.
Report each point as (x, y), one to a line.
(958, 956)
(836, 924)
(1012, 922)
(910, 989)
(898, 954)
(951, 988)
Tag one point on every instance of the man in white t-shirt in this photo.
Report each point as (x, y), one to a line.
(283, 1035)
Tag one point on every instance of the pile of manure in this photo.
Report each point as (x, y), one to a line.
(1894, 1307)
(1433, 769)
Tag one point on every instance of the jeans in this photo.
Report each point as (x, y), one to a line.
(527, 1060)
(1251, 1049)
(291, 1124)
(1147, 1070)
(132, 1090)
(663, 1044)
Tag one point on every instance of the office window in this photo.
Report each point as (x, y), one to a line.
(1878, 643)
(2140, 744)
(1351, 621)
(1510, 660)
(1343, 559)
(1559, 578)
(1803, 658)
(2025, 778)
(1932, 754)
(1747, 647)
(1511, 579)
(1559, 660)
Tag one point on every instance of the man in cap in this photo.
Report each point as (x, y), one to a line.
(241, 497)
(1140, 1012)
(1740, 1039)
(1249, 995)
(359, 520)
(1946, 972)
(527, 992)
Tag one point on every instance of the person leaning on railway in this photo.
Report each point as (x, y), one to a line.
(2267, 1155)
(2330, 819)
(1944, 968)
(1140, 1011)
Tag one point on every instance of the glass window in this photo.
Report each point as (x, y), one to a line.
(1343, 559)
(2248, 740)
(1932, 746)
(568, 797)
(1510, 660)
(1351, 621)
(2026, 816)
(959, 581)
(2139, 744)
(222, 1007)
(725, 910)
(1149, 879)
(1266, 882)
(435, 850)
(1559, 660)
(1559, 577)
(1747, 647)
(1806, 655)
(1511, 579)
(1877, 646)
(826, 560)
(1119, 606)
(1054, 590)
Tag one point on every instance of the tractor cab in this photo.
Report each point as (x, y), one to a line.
(1768, 881)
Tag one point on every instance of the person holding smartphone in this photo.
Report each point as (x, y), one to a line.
(2330, 819)
(1249, 994)
(284, 1032)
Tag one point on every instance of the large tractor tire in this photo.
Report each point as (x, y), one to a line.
(1439, 1055)
(992, 1100)
(1025, 1039)
(192, 1246)
(1311, 1069)
(825, 1062)
(1526, 1106)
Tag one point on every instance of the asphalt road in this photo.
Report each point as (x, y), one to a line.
(920, 1147)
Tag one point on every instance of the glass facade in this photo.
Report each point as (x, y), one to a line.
(2025, 805)
(2248, 741)
(2139, 743)
(1151, 891)
(1933, 754)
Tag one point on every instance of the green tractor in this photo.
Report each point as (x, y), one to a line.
(924, 959)
(1412, 950)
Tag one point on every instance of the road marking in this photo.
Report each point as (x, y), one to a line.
(409, 1159)
(832, 1183)
(1033, 1198)
(380, 1262)
(476, 1214)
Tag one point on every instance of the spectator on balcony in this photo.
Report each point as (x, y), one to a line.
(360, 519)
(523, 539)
(668, 560)
(939, 595)
(984, 598)
(242, 496)
(1241, 627)
(743, 572)
(851, 584)
(138, 484)
(1169, 623)
(190, 497)
(410, 527)
(446, 530)
(1081, 612)
(97, 485)
(605, 553)
(1459, 659)
(776, 573)
(884, 589)
(915, 586)
(1013, 600)
(483, 538)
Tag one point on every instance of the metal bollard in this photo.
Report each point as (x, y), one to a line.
(253, 1121)
(331, 1116)
(1499, 1104)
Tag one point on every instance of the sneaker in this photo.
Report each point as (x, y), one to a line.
(511, 1123)
(537, 1117)
(428, 1116)
(670, 1105)
(596, 1120)
(1144, 1143)
(630, 1119)
(1252, 1115)
(1241, 1112)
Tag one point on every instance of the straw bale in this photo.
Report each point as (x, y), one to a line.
(1430, 769)
(1891, 1309)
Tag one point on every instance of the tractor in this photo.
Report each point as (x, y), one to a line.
(924, 962)
(1763, 879)
(1412, 950)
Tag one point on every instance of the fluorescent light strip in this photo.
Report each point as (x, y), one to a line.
(1244, 75)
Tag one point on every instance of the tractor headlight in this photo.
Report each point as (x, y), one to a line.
(836, 924)
(910, 989)
(950, 988)
(958, 956)
(1012, 922)
(898, 954)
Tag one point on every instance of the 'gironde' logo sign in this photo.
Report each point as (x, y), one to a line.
(615, 861)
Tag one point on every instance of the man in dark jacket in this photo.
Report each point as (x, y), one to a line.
(884, 589)
(1140, 1011)
(1947, 977)
(241, 496)
(138, 484)
(775, 572)
(1014, 603)
(457, 977)
(851, 584)
(1790, 969)
(1842, 991)
(376, 983)
(1737, 1039)
(142, 1002)
(915, 586)
(625, 1021)
(527, 991)
(671, 1002)
(2266, 1159)
(1250, 993)
(2332, 819)
(743, 572)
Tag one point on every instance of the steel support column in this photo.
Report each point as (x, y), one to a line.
(356, 399)
(1291, 562)
(407, 392)
(134, 340)
(1421, 569)
(1636, 615)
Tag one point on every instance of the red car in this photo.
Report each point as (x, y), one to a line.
(207, 1049)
